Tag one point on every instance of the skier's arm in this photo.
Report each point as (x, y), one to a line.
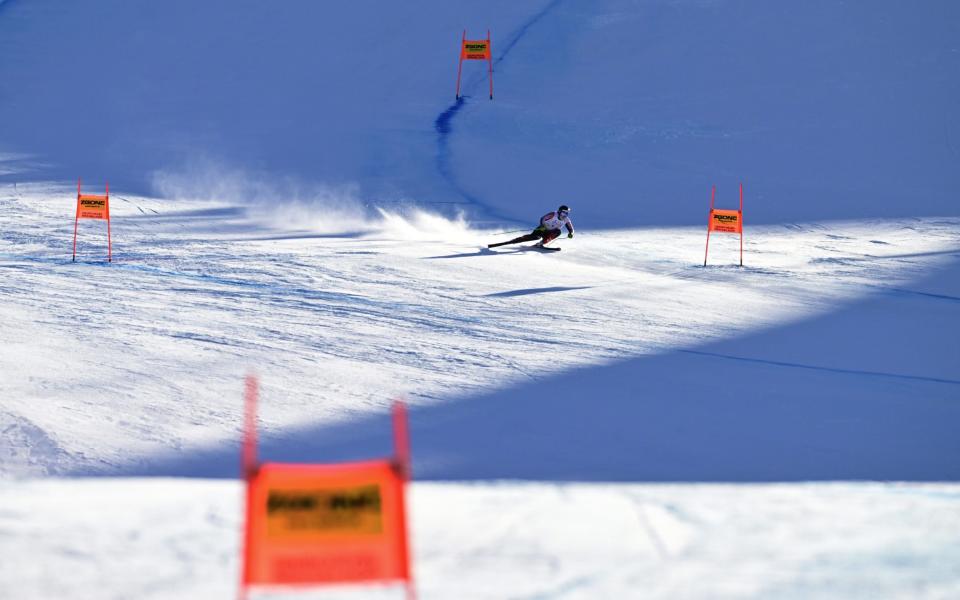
(569, 225)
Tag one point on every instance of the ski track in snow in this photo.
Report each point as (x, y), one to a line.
(112, 364)
(443, 124)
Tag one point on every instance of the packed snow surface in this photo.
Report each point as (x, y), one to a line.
(159, 538)
(136, 366)
(296, 194)
(140, 360)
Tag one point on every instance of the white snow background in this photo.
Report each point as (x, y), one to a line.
(296, 193)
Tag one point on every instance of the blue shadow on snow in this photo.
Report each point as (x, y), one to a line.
(777, 405)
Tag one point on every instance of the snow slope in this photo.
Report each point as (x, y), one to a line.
(626, 110)
(337, 326)
(296, 193)
(134, 368)
(160, 538)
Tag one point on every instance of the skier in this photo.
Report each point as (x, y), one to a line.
(548, 230)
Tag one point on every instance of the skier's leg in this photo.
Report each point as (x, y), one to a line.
(524, 238)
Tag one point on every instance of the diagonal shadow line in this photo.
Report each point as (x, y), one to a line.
(778, 363)
(924, 294)
(672, 417)
(653, 428)
(951, 252)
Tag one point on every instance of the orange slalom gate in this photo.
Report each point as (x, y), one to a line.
(90, 206)
(724, 221)
(475, 50)
(317, 524)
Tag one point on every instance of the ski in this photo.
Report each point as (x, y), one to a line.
(534, 247)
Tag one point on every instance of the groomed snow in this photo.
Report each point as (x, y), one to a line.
(135, 367)
(143, 357)
(296, 193)
(175, 538)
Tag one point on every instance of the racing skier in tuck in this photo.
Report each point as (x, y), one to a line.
(549, 229)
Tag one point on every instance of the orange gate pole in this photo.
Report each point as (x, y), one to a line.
(109, 240)
(460, 66)
(741, 223)
(249, 467)
(401, 452)
(490, 63)
(76, 220)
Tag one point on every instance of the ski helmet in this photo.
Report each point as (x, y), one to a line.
(563, 208)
